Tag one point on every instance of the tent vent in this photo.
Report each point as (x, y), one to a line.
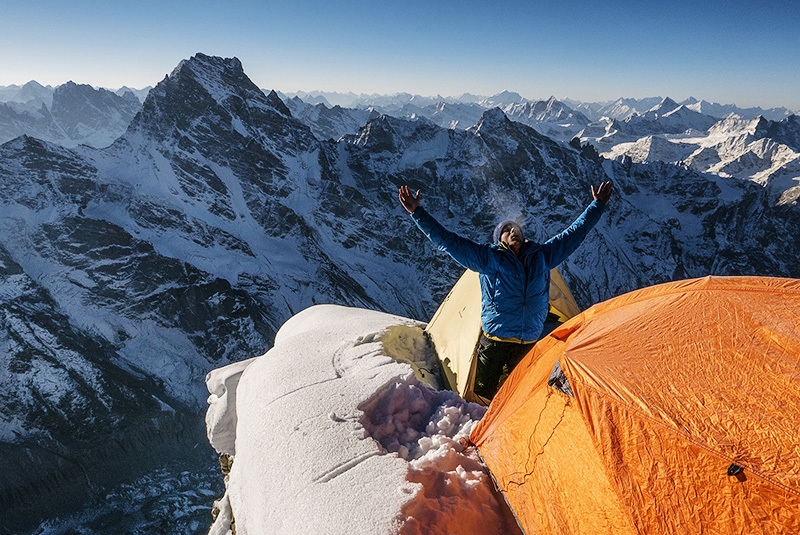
(559, 381)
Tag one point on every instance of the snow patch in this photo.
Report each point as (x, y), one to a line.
(332, 434)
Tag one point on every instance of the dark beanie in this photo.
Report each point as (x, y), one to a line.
(498, 230)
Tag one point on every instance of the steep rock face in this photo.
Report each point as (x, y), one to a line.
(75, 415)
(105, 341)
(786, 131)
(682, 225)
(218, 215)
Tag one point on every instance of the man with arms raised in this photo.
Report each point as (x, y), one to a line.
(514, 275)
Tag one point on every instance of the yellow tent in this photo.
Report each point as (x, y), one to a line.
(685, 416)
(456, 326)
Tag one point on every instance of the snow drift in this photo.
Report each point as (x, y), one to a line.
(332, 431)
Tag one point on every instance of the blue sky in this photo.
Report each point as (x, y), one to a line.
(740, 52)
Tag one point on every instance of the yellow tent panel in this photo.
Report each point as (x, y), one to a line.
(456, 326)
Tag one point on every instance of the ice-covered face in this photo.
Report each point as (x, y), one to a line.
(511, 235)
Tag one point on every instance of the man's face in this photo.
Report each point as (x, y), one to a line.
(512, 236)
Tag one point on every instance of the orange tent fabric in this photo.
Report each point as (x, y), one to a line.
(685, 416)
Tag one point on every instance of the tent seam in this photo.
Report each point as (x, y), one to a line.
(529, 472)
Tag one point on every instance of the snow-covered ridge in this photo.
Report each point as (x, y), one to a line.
(621, 108)
(765, 152)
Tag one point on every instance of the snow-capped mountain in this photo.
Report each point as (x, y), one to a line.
(667, 131)
(668, 117)
(549, 117)
(32, 93)
(452, 115)
(550, 110)
(140, 94)
(69, 115)
(620, 109)
(623, 108)
(128, 272)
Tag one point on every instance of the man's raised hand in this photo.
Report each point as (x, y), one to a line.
(408, 200)
(603, 192)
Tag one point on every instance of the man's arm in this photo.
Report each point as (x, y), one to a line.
(466, 252)
(560, 246)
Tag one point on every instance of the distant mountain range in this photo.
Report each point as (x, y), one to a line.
(69, 114)
(85, 115)
(743, 143)
(621, 108)
(129, 270)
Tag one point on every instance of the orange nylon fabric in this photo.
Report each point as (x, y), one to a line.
(674, 383)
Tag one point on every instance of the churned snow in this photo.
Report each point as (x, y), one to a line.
(332, 431)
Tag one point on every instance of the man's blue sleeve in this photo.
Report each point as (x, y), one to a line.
(466, 252)
(560, 246)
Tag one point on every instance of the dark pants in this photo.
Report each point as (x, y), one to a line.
(495, 358)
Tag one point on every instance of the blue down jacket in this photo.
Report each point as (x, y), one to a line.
(515, 291)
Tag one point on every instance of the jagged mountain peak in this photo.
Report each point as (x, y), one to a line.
(377, 134)
(221, 78)
(387, 133)
(786, 131)
(33, 91)
(275, 101)
(200, 62)
(665, 106)
(213, 91)
(733, 124)
(76, 96)
(31, 144)
(492, 118)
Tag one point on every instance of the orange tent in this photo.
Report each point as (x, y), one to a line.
(685, 416)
